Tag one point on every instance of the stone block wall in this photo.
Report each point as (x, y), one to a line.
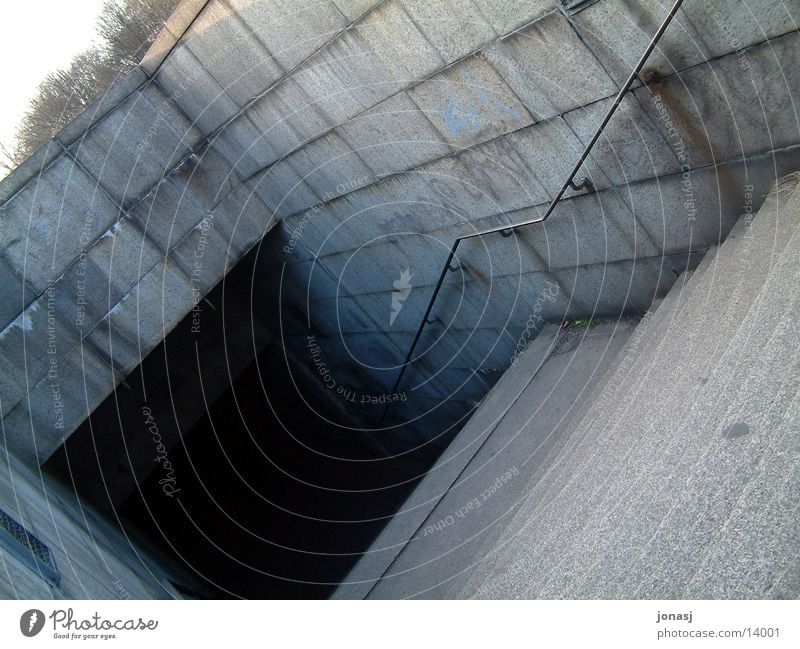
(375, 132)
(400, 125)
(111, 234)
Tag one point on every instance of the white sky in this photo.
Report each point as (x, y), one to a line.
(37, 37)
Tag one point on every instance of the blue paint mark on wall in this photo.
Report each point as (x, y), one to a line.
(460, 114)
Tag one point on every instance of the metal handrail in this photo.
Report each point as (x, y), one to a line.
(569, 182)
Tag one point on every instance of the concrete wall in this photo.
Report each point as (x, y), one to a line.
(376, 132)
(111, 233)
(385, 129)
(93, 558)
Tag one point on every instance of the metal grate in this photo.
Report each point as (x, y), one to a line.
(23, 545)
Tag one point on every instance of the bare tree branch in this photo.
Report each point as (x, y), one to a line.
(127, 28)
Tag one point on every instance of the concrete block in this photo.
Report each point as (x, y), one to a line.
(157, 53)
(728, 26)
(39, 336)
(377, 351)
(182, 17)
(489, 179)
(621, 288)
(470, 103)
(283, 190)
(411, 261)
(179, 21)
(58, 404)
(695, 210)
(24, 359)
(283, 244)
(206, 177)
(412, 202)
(49, 222)
(494, 303)
(447, 234)
(28, 169)
(631, 147)
(379, 56)
(316, 230)
(204, 255)
(550, 149)
(130, 150)
(542, 300)
(353, 9)
(319, 79)
(123, 255)
(12, 383)
(185, 197)
(357, 60)
(312, 279)
(292, 31)
(243, 219)
(188, 133)
(393, 136)
(507, 16)
(454, 27)
(549, 68)
(279, 122)
(204, 101)
(15, 295)
(732, 107)
(618, 33)
(596, 228)
(286, 119)
(398, 44)
(241, 144)
(330, 167)
(347, 314)
(167, 214)
(142, 319)
(484, 349)
(459, 385)
(85, 293)
(492, 256)
(231, 53)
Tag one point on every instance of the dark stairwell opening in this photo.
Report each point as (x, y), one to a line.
(270, 491)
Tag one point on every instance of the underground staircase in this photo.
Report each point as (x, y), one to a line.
(628, 459)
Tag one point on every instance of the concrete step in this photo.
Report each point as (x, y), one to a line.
(408, 520)
(483, 499)
(639, 505)
(616, 377)
(717, 291)
(619, 375)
